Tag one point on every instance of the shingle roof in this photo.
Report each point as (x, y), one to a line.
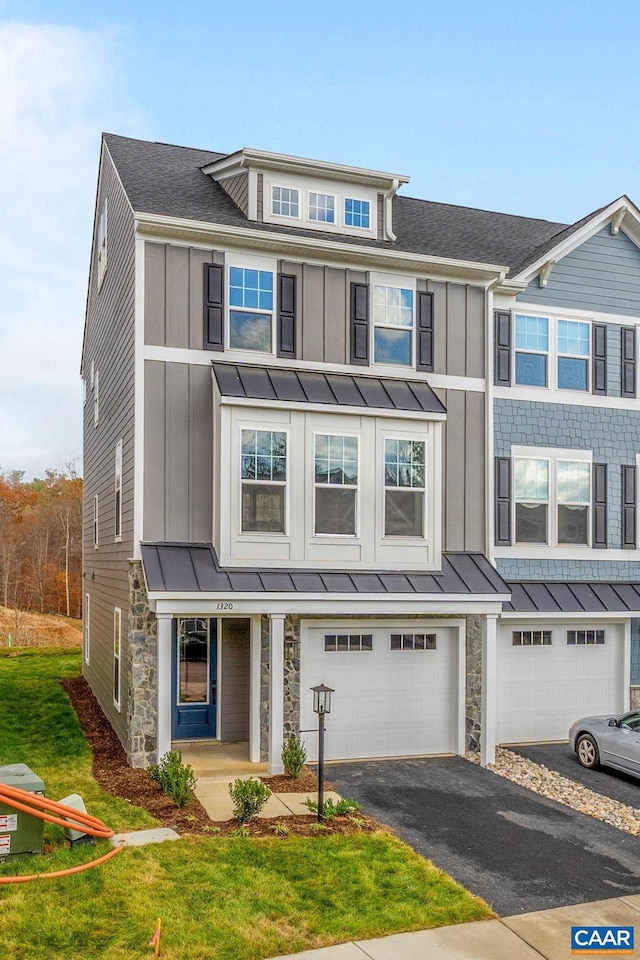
(333, 389)
(566, 597)
(166, 180)
(175, 567)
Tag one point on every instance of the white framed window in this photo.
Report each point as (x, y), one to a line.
(251, 306)
(263, 474)
(412, 641)
(393, 325)
(118, 493)
(404, 482)
(552, 501)
(95, 522)
(96, 399)
(87, 628)
(285, 202)
(552, 352)
(348, 642)
(583, 638)
(322, 207)
(357, 213)
(335, 485)
(102, 244)
(117, 656)
(531, 638)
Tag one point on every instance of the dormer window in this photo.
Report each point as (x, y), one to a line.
(322, 207)
(285, 202)
(356, 213)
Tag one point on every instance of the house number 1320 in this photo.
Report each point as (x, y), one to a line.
(224, 606)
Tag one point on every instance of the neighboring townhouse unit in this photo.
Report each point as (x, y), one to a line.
(566, 443)
(290, 427)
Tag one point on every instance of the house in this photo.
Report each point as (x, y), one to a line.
(297, 462)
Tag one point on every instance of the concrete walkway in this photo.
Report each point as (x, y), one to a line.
(529, 936)
(217, 765)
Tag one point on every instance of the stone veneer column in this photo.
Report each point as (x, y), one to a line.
(473, 683)
(292, 678)
(142, 743)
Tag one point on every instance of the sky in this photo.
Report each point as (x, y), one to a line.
(530, 108)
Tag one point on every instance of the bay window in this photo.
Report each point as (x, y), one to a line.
(264, 480)
(404, 481)
(336, 485)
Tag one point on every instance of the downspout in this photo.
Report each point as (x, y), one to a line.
(388, 198)
(489, 417)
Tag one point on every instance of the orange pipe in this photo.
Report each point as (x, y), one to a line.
(68, 817)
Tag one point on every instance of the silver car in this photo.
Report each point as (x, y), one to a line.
(612, 740)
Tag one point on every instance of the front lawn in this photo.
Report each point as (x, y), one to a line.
(219, 899)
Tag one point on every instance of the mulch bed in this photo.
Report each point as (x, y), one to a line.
(120, 780)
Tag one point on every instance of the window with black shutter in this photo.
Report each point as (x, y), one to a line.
(628, 359)
(629, 507)
(359, 339)
(599, 366)
(502, 348)
(599, 504)
(503, 501)
(286, 316)
(424, 345)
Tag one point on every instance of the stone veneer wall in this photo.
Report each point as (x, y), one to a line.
(291, 718)
(142, 725)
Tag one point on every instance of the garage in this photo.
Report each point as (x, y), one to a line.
(399, 689)
(551, 673)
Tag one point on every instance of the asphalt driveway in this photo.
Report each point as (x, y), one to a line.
(561, 758)
(516, 850)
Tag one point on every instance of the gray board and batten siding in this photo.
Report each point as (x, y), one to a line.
(602, 274)
(174, 278)
(178, 446)
(109, 345)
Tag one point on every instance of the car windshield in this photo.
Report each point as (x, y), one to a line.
(631, 722)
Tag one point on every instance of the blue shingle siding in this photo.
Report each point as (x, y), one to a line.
(612, 435)
(603, 274)
(635, 653)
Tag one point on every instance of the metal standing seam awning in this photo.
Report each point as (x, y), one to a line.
(573, 598)
(192, 572)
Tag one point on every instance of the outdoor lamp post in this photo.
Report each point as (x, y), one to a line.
(321, 706)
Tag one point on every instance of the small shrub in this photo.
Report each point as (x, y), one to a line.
(294, 756)
(318, 827)
(210, 828)
(175, 777)
(358, 822)
(240, 832)
(332, 808)
(249, 797)
(280, 830)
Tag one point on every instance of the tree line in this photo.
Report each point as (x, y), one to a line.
(41, 542)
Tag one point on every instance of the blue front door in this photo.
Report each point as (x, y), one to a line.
(194, 672)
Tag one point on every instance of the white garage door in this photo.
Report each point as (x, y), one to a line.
(396, 689)
(551, 674)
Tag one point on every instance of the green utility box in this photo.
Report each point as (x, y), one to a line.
(21, 835)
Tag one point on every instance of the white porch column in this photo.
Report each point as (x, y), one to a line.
(276, 691)
(489, 696)
(164, 683)
(254, 690)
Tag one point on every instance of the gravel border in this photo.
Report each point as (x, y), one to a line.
(548, 783)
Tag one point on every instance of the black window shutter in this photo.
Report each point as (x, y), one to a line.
(213, 307)
(599, 504)
(359, 324)
(599, 346)
(629, 506)
(424, 346)
(502, 348)
(628, 335)
(503, 501)
(286, 316)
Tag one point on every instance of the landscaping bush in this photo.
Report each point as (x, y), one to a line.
(175, 777)
(294, 756)
(332, 808)
(249, 797)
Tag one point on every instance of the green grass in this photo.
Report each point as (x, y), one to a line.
(219, 899)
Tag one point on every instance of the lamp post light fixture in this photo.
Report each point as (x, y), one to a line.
(321, 706)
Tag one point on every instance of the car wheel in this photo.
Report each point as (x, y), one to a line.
(587, 751)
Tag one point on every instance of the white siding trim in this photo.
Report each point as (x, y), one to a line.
(165, 703)
(138, 417)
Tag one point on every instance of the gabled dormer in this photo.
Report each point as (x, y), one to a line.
(309, 194)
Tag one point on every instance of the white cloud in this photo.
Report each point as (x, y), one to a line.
(59, 92)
